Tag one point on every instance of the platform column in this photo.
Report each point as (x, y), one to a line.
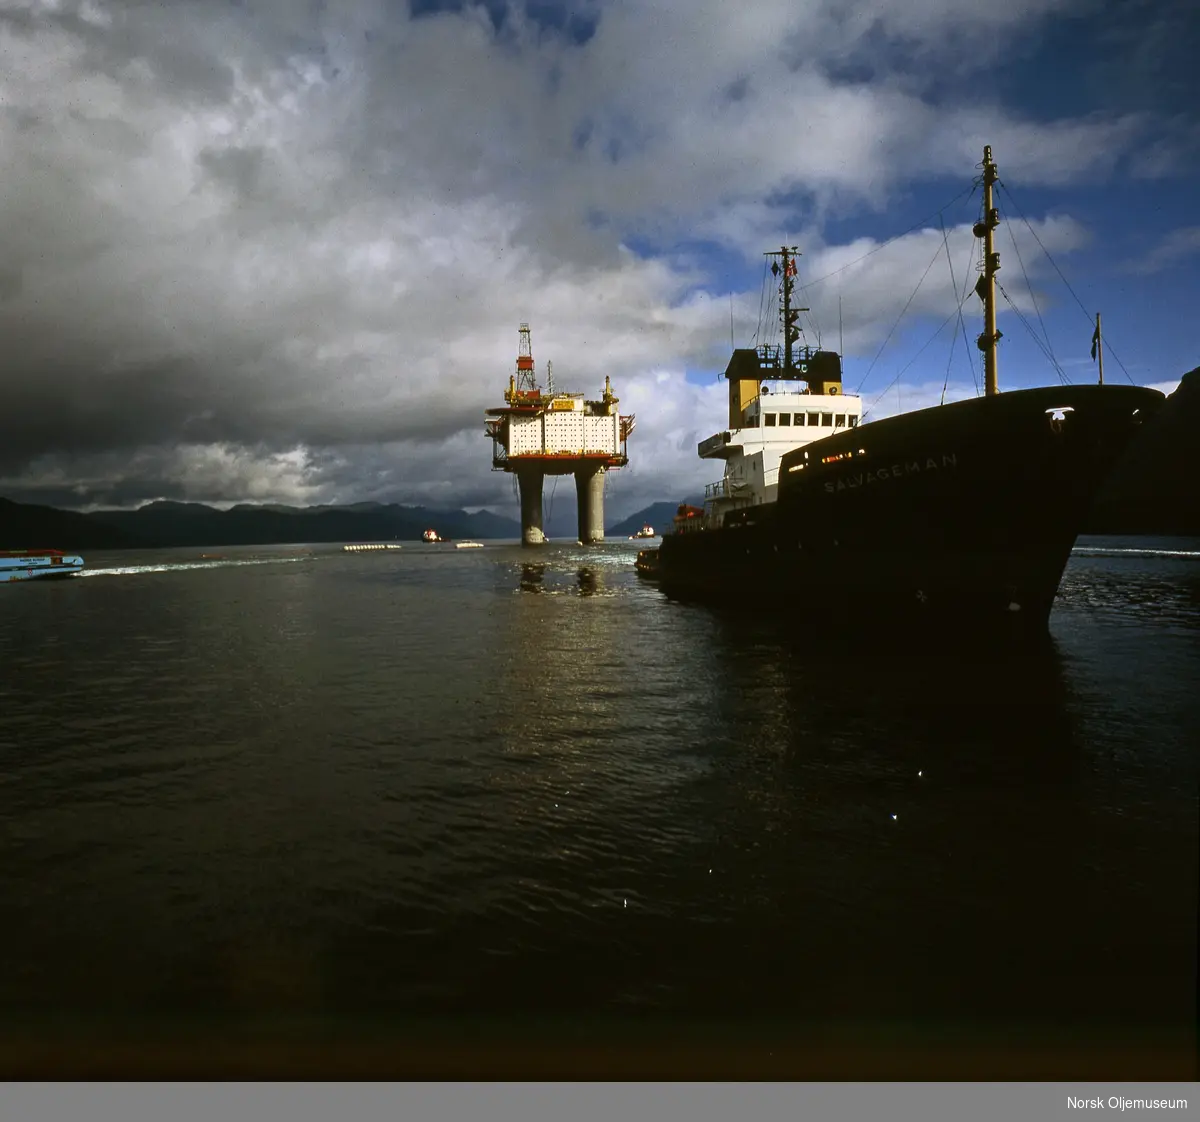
(529, 480)
(589, 489)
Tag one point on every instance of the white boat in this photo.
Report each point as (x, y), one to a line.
(646, 531)
(468, 545)
(431, 536)
(37, 564)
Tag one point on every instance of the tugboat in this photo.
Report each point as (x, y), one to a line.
(647, 531)
(647, 563)
(431, 536)
(38, 564)
(959, 517)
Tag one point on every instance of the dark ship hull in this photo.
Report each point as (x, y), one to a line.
(960, 517)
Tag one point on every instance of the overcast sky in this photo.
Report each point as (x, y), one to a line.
(277, 250)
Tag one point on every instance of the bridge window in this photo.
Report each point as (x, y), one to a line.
(827, 420)
(839, 422)
(785, 418)
(770, 420)
(853, 420)
(814, 418)
(799, 418)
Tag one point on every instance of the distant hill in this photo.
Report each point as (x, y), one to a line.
(1154, 489)
(25, 526)
(164, 524)
(659, 515)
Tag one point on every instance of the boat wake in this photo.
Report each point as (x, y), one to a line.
(1101, 551)
(180, 566)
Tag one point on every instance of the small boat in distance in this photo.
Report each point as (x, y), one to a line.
(431, 536)
(647, 531)
(959, 517)
(37, 564)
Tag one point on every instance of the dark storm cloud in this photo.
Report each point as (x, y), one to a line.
(279, 250)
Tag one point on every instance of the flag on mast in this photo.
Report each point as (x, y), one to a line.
(1096, 339)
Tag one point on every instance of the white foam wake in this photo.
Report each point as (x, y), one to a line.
(1100, 551)
(180, 566)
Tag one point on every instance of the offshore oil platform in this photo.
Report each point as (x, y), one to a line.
(536, 433)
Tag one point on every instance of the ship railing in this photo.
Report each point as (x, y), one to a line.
(770, 356)
(722, 489)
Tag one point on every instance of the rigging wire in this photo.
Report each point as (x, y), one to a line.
(962, 299)
(1043, 342)
(904, 369)
(883, 245)
(1033, 334)
(771, 322)
(949, 363)
(974, 250)
(902, 314)
(762, 295)
(976, 364)
(954, 288)
(812, 323)
(770, 304)
(1049, 349)
(1059, 271)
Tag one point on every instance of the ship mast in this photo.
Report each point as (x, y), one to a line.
(787, 313)
(986, 288)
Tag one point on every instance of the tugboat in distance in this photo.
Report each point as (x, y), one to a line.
(960, 517)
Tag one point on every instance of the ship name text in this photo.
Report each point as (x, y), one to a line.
(945, 462)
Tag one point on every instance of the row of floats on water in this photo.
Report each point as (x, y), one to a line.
(360, 548)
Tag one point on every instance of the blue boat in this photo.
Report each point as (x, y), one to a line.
(38, 564)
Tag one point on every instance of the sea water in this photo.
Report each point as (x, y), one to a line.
(430, 780)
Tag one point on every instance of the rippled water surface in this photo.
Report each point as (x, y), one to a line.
(431, 779)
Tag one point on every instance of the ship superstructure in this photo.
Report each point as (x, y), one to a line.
(780, 398)
(548, 432)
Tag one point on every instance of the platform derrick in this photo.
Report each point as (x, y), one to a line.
(538, 433)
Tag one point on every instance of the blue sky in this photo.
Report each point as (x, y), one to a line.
(278, 251)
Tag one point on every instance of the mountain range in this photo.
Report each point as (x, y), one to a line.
(163, 524)
(1153, 491)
